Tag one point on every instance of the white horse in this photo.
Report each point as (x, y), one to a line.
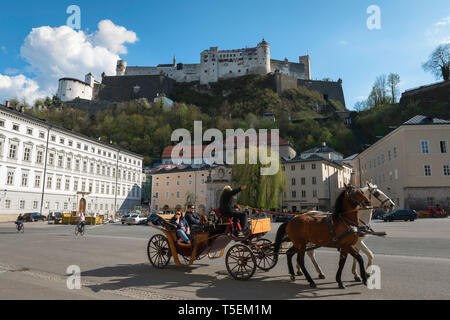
(378, 200)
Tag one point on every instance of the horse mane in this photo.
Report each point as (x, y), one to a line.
(338, 205)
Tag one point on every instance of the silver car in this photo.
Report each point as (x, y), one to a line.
(136, 219)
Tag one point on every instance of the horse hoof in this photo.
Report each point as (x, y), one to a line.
(299, 273)
(312, 285)
(357, 279)
(341, 286)
(321, 276)
(365, 283)
(292, 278)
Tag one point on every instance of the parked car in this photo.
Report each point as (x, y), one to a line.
(124, 218)
(33, 216)
(136, 219)
(281, 218)
(55, 217)
(378, 214)
(407, 215)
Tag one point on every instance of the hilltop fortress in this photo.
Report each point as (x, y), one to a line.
(134, 82)
(218, 64)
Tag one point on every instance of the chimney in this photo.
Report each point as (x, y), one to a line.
(7, 103)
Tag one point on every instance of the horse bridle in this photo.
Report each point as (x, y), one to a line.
(376, 193)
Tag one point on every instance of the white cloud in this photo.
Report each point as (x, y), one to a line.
(443, 22)
(54, 53)
(438, 33)
(19, 87)
(113, 37)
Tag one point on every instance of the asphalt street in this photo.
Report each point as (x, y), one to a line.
(414, 260)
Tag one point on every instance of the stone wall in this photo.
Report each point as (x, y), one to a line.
(419, 198)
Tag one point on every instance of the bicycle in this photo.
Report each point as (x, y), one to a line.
(80, 230)
(20, 227)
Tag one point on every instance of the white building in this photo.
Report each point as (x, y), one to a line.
(45, 167)
(70, 88)
(218, 64)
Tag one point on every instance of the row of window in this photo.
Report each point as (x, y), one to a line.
(58, 160)
(445, 170)
(302, 167)
(177, 195)
(425, 146)
(57, 205)
(202, 181)
(100, 187)
(71, 143)
(303, 194)
(303, 181)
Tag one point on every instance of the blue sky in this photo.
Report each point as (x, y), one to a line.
(333, 32)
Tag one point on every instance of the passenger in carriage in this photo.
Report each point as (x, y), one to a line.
(183, 229)
(192, 217)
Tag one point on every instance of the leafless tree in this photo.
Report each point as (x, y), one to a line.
(439, 62)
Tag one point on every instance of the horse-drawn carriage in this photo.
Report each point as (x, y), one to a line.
(210, 240)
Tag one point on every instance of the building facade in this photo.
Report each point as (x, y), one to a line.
(411, 164)
(313, 182)
(45, 167)
(174, 186)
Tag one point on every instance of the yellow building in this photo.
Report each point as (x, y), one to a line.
(411, 164)
(173, 186)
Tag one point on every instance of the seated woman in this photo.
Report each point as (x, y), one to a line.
(183, 230)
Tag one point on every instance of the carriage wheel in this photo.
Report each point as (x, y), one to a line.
(240, 262)
(263, 251)
(158, 251)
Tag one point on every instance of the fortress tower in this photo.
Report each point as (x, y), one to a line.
(263, 53)
(305, 60)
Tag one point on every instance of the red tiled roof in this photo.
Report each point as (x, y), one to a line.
(167, 152)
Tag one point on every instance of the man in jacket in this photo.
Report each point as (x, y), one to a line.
(191, 216)
(226, 206)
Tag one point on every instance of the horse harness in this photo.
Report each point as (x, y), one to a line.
(351, 228)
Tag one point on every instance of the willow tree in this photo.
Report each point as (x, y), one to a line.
(263, 191)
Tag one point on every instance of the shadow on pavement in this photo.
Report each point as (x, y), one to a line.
(173, 277)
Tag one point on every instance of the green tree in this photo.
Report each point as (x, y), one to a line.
(263, 191)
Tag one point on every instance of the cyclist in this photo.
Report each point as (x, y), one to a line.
(19, 221)
(81, 222)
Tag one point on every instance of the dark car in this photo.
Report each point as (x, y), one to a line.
(406, 215)
(55, 217)
(281, 218)
(378, 214)
(33, 216)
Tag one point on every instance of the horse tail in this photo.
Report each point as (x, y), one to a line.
(281, 232)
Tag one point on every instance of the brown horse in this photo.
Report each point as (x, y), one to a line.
(337, 231)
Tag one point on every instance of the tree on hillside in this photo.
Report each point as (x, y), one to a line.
(378, 94)
(393, 81)
(439, 62)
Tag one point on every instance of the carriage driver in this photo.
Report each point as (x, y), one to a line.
(226, 209)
